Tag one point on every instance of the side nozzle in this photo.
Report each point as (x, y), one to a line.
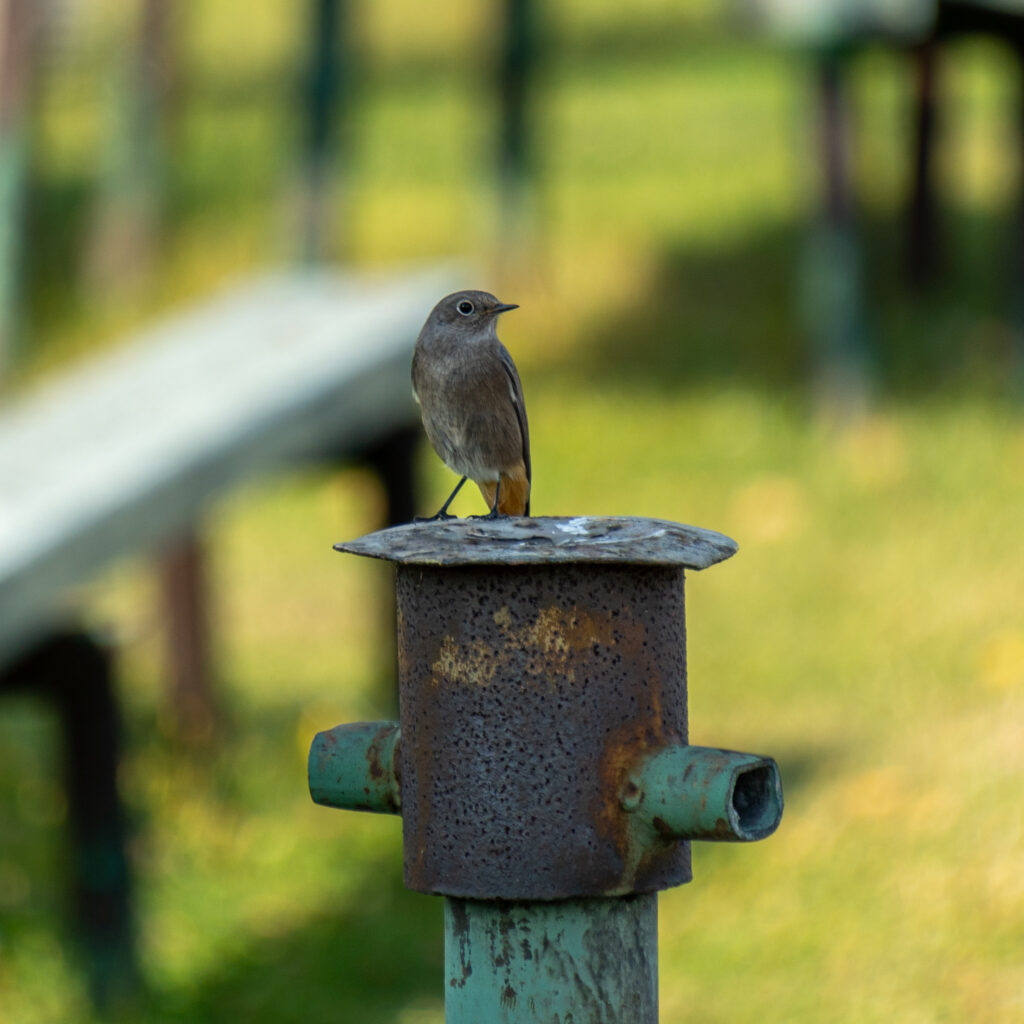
(355, 767)
(688, 792)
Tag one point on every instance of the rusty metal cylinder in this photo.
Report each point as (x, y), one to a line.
(541, 763)
(541, 662)
(527, 693)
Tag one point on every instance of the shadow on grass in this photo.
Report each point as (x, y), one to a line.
(733, 314)
(801, 767)
(55, 225)
(364, 962)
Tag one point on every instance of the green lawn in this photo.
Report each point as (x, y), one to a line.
(869, 634)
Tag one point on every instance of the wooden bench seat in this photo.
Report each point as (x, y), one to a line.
(128, 450)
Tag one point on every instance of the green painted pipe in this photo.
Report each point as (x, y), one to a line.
(354, 767)
(591, 961)
(684, 792)
(13, 172)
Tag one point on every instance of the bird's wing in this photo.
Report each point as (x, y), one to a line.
(415, 373)
(516, 389)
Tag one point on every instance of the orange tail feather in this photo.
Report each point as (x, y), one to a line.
(514, 499)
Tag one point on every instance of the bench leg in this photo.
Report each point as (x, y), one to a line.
(923, 257)
(181, 569)
(76, 673)
(831, 286)
(1016, 257)
(183, 586)
(21, 27)
(394, 461)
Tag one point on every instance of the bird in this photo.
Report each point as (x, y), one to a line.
(471, 402)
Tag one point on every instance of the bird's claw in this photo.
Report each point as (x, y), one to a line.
(493, 514)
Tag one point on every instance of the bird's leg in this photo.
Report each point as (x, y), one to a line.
(442, 513)
(494, 513)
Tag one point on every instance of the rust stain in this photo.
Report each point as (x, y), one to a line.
(470, 664)
(373, 759)
(396, 764)
(460, 920)
(460, 933)
(379, 769)
(720, 830)
(662, 828)
(630, 796)
(625, 748)
(403, 656)
(557, 636)
(553, 639)
(630, 742)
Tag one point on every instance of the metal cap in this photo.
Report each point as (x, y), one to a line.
(535, 540)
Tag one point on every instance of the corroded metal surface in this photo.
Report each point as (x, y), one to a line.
(546, 540)
(528, 694)
(354, 767)
(705, 793)
(588, 961)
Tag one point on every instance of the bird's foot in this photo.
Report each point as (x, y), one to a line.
(439, 517)
(493, 514)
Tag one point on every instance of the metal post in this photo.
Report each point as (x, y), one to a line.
(76, 673)
(531, 961)
(393, 459)
(516, 67)
(541, 764)
(923, 255)
(20, 30)
(184, 594)
(1017, 244)
(123, 243)
(325, 95)
(831, 275)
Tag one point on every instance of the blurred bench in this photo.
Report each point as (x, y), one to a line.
(124, 455)
(830, 32)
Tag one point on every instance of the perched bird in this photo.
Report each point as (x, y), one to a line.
(471, 400)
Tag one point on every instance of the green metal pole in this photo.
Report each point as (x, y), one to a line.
(590, 961)
(517, 150)
(832, 286)
(20, 23)
(326, 93)
(13, 173)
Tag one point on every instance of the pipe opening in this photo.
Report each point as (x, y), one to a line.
(757, 801)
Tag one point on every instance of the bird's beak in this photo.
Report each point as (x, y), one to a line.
(503, 307)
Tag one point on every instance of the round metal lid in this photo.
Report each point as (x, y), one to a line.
(536, 540)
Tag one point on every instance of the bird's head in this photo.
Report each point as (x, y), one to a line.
(468, 313)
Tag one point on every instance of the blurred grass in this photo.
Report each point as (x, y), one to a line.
(868, 634)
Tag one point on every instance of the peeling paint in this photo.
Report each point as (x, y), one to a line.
(592, 961)
(472, 664)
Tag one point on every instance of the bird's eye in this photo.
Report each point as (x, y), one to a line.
(465, 307)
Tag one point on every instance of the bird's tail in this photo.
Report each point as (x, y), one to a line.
(514, 496)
